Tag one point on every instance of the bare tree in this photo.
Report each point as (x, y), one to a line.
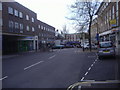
(83, 13)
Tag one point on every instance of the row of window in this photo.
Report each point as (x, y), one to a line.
(44, 28)
(45, 35)
(19, 14)
(20, 26)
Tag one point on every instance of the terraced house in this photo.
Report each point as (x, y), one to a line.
(21, 30)
(109, 23)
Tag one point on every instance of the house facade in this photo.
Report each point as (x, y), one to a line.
(109, 23)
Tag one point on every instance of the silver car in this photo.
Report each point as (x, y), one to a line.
(106, 49)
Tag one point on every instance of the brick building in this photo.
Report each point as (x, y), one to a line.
(21, 31)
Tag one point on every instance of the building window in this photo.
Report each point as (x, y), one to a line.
(1, 22)
(16, 12)
(21, 26)
(39, 26)
(113, 12)
(28, 28)
(110, 14)
(0, 6)
(11, 24)
(20, 14)
(33, 20)
(44, 28)
(16, 25)
(27, 17)
(33, 29)
(10, 10)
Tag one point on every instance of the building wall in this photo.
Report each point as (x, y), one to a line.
(73, 37)
(45, 32)
(21, 28)
(11, 17)
(94, 30)
(109, 30)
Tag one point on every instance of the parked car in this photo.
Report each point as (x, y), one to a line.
(58, 47)
(94, 46)
(106, 49)
(86, 46)
(69, 46)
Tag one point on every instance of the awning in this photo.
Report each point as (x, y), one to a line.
(105, 33)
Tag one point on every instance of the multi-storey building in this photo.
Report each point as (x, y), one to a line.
(20, 28)
(72, 37)
(109, 22)
(94, 31)
(46, 33)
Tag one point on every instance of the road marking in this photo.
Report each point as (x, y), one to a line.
(82, 78)
(94, 62)
(92, 65)
(89, 68)
(4, 78)
(86, 73)
(33, 65)
(91, 56)
(52, 57)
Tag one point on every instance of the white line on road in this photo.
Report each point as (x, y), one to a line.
(86, 73)
(96, 60)
(82, 78)
(4, 78)
(52, 57)
(89, 69)
(33, 65)
(92, 65)
(91, 56)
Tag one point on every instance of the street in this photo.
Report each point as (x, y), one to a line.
(57, 69)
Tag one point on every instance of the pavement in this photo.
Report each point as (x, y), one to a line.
(56, 69)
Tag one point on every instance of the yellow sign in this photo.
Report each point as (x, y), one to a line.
(113, 21)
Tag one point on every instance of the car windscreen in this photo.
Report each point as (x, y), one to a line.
(105, 45)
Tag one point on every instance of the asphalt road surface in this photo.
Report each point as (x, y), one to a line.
(57, 69)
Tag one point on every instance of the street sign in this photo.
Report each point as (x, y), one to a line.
(113, 23)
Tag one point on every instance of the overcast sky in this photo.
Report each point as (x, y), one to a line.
(52, 12)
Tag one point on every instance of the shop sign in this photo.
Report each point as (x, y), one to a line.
(113, 23)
